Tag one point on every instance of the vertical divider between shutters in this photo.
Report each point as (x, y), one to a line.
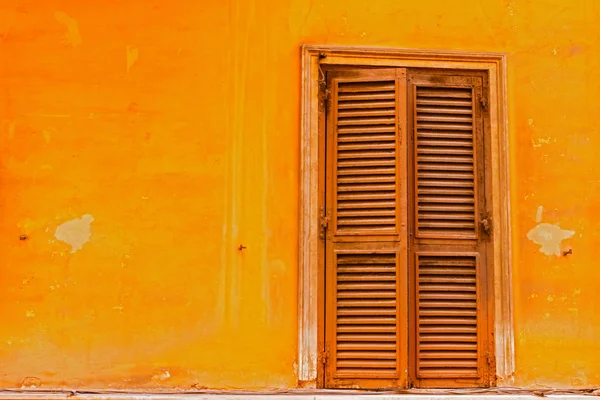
(402, 218)
(412, 228)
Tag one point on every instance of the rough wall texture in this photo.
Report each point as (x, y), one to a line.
(141, 142)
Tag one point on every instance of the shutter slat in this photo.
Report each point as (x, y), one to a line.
(428, 149)
(370, 346)
(429, 142)
(366, 130)
(367, 121)
(371, 145)
(367, 303)
(366, 286)
(343, 311)
(373, 339)
(383, 329)
(441, 340)
(356, 187)
(355, 87)
(447, 296)
(357, 112)
(443, 93)
(447, 183)
(440, 109)
(441, 117)
(348, 97)
(371, 212)
(456, 345)
(365, 171)
(360, 365)
(366, 163)
(366, 196)
(364, 139)
(383, 355)
(444, 102)
(366, 104)
(458, 136)
(374, 293)
(428, 312)
(444, 127)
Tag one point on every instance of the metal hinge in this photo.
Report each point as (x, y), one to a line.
(486, 223)
(323, 223)
(323, 358)
(327, 99)
(483, 102)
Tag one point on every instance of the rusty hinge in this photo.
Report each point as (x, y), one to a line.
(323, 223)
(400, 132)
(323, 358)
(327, 99)
(486, 223)
(483, 102)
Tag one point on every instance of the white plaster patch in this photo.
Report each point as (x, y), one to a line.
(539, 214)
(549, 237)
(76, 232)
(162, 376)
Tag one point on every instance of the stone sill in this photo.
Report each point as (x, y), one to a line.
(300, 394)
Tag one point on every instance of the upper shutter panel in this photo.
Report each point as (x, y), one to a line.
(450, 309)
(445, 180)
(366, 156)
(365, 291)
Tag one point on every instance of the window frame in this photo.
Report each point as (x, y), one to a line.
(311, 248)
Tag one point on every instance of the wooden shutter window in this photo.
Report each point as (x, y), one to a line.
(364, 262)
(450, 307)
(406, 289)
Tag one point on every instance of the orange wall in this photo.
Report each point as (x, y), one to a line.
(174, 125)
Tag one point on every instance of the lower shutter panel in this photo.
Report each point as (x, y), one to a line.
(447, 340)
(366, 309)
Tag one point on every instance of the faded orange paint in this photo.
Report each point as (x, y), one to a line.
(175, 127)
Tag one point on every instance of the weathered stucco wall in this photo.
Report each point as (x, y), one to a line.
(141, 142)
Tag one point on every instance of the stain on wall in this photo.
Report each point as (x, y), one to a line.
(176, 125)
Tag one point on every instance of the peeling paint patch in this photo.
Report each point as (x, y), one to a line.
(162, 376)
(72, 36)
(549, 237)
(539, 214)
(30, 314)
(31, 382)
(76, 232)
(540, 142)
(132, 56)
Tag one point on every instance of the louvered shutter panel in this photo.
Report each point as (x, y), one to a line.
(448, 251)
(365, 258)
